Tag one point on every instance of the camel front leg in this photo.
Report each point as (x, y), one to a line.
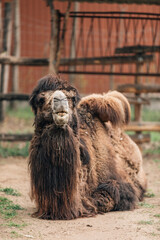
(114, 195)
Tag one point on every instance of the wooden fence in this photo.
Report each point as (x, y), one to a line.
(137, 55)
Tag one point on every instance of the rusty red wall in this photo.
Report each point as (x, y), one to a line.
(35, 36)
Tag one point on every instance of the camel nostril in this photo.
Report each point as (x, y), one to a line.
(61, 106)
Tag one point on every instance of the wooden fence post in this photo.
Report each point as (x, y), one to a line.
(6, 44)
(73, 43)
(52, 38)
(16, 48)
(138, 106)
(61, 40)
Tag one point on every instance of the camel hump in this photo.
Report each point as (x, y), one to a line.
(112, 106)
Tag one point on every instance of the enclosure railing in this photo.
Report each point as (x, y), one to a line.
(107, 43)
(98, 34)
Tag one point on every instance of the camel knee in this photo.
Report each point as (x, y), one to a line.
(117, 196)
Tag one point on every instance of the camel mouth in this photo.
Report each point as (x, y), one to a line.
(62, 113)
(61, 118)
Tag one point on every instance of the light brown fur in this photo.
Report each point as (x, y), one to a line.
(109, 142)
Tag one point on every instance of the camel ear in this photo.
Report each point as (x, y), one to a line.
(112, 107)
(32, 102)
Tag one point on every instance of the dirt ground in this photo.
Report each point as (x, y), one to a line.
(140, 224)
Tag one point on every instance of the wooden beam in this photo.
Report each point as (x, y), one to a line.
(15, 137)
(137, 49)
(120, 1)
(144, 126)
(139, 88)
(139, 100)
(13, 96)
(28, 137)
(76, 62)
(106, 60)
(24, 61)
(140, 138)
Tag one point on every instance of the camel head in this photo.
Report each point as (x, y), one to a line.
(54, 102)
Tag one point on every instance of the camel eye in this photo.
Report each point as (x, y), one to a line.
(74, 101)
(41, 101)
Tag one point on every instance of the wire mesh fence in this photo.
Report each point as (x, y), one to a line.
(99, 34)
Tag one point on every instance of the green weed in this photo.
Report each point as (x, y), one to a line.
(152, 151)
(157, 215)
(21, 113)
(10, 191)
(148, 115)
(16, 225)
(156, 160)
(155, 136)
(8, 209)
(14, 234)
(145, 222)
(146, 205)
(154, 234)
(149, 195)
(14, 151)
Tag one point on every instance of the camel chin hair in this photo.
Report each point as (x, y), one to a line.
(81, 162)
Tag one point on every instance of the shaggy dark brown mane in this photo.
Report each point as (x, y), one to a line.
(81, 162)
(53, 173)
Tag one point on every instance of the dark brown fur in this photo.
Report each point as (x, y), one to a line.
(88, 166)
(55, 181)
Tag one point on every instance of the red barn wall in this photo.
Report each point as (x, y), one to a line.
(35, 36)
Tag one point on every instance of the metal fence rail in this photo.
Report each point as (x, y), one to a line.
(99, 34)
